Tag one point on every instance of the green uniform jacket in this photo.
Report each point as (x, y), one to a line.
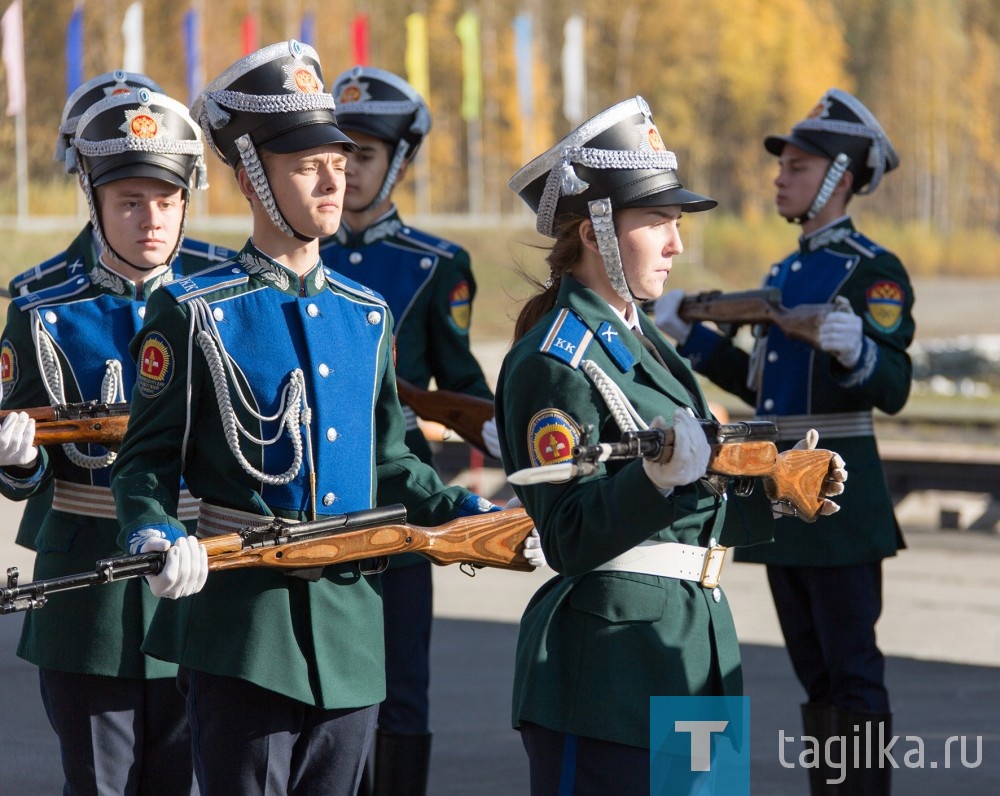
(595, 646)
(317, 642)
(797, 381)
(98, 630)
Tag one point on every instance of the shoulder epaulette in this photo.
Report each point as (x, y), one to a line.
(52, 295)
(864, 245)
(218, 277)
(207, 251)
(337, 279)
(567, 339)
(54, 267)
(431, 243)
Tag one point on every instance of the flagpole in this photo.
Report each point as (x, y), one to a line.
(21, 138)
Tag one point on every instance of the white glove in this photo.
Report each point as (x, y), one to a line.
(666, 318)
(491, 439)
(689, 458)
(833, 485)
(840, 334)
(185, 568)
(16, 437)
(532, 543)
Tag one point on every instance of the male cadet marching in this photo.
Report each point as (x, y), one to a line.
(276, 397)
(54, 270)
(119, 718)
(428, 285)
(827, 587)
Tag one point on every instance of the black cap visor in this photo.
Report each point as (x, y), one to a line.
(138, 170)
(775, 144)
(308, 136)
(687, 201)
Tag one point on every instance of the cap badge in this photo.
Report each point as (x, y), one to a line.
(354, 91)
(302, 78)
(142, 122)
(821, 110)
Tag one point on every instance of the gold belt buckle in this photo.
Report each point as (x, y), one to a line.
(711, 573)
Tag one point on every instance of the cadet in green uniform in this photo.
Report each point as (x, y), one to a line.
(269, 381)
(629, 615)
(827, 587)
(428, 285)
(120, 721)
(54, 270)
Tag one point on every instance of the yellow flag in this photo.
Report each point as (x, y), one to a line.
(417, 61)
(472, 77)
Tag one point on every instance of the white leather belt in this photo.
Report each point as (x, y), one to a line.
(97, 501)
(672, 560)
(792, 428)
(216, 520)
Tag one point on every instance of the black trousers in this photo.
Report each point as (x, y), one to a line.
(247, 739)
(119, 735)
(828, 617)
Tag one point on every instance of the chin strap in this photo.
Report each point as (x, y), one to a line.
(601, 216)
(833, 175)
(258, 178)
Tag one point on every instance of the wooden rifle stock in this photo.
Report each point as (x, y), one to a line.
(739, 450)
(91, 421)
(762, 306)
(463, 414)
(494, 539)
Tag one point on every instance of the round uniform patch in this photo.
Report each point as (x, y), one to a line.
(8, 367)
(461, 306)
(552, 435)
(156, 365)
(885, 305)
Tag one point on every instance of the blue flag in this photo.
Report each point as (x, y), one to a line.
(192, 53)
(307, 33)
(74, 51)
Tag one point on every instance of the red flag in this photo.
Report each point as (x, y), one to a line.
(250, 34)
(359, 29)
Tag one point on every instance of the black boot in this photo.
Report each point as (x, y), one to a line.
(817, 721)
(402, 763)
(861, 779)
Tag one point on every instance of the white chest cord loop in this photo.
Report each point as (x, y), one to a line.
(624, 413)
(293, 408)
(112, 391)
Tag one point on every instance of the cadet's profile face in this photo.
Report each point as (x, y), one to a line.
(141, 219)
(309, 187)
(648, 239)
(366, 170)
(800, 175)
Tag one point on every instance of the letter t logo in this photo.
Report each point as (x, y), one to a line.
(701, 741)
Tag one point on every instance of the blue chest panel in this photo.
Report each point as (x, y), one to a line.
(810, 279)
(396, 272)
(89, 332)
(334, 340)
(94, 330)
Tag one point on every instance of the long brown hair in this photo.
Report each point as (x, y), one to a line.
(564, 254)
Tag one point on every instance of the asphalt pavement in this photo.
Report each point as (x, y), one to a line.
(939, 629)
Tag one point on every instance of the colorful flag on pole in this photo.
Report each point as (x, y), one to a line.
(359, 33)
(135, 49)
(417, 59)
(524, 58)
(192, 53)
(12, 53)
(467, 30)
(574, 71)
(74, 50)
(249, 34)
(307, 29)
